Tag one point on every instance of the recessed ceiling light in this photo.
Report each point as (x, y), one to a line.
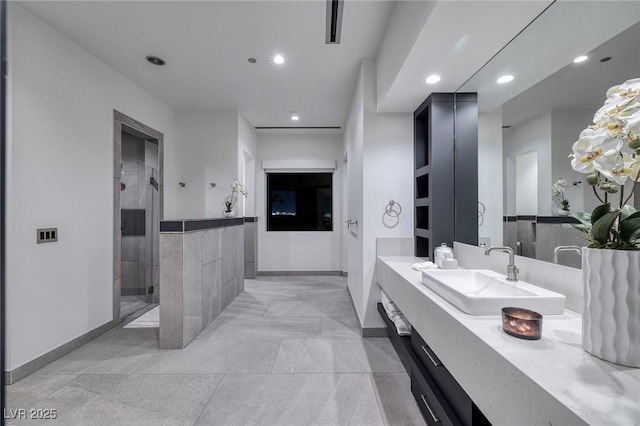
(295, 117)
(580, 59)
(278, 59)
(433, 79)
(155, 60)
(252, 60)
(505, 79)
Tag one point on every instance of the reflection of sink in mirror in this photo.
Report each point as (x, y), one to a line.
(542, 111)
(484, 292)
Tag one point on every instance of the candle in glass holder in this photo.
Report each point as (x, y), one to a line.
(522, 323)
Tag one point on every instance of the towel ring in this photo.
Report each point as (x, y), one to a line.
(390, 209)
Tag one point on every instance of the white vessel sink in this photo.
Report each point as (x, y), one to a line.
(484, 292)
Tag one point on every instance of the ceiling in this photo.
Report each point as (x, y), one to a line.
(206, 45)
(541, 58)
(566, 88)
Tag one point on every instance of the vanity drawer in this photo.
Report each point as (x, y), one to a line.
(447, 385)
(433, 405)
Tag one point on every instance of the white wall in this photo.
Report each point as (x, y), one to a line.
(527, 183)
(531, 135)
(247, 152)
(299, 251)
(353, 146)
(388, 170)
(380, 152)
(566, 125)
(490, 189)
(60, 158)
(208, 141)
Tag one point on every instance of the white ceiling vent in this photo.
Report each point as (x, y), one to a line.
(334, 21)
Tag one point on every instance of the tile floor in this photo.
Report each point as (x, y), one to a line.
(131, 304)
(285, 352)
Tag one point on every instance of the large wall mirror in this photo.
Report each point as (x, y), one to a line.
(527, 126)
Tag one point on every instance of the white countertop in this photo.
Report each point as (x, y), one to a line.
(514, 381)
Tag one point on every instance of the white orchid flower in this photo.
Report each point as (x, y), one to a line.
(619, 98)
(595, 150)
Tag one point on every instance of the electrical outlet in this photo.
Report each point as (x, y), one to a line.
(46, 235)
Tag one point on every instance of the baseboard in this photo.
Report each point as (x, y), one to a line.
(375, 332)
(345, 274)
(369, 331)
(289, 273)
(36, 364)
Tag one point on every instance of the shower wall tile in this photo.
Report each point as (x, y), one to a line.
(129, 274)
(192, 286)
(229, 253)
(151, 154)
(212, 245)
(130, 248)
(228, 292)
(203, 295)
(546, 241)
(171, 280)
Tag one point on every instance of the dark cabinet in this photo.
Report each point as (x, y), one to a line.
(446, 171)
(440, 398)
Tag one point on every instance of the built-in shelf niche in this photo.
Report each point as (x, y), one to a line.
(445, 178)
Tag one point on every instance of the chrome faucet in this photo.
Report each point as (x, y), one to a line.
(512, 271)
(565, 248)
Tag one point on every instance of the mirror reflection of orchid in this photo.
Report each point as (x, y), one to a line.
(558, 191)
(236, 188)
(609, 152)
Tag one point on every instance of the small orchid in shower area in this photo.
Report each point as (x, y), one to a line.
(236, 188)
(558, 191)
(609, 152)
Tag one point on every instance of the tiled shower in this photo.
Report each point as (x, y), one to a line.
(139, 212)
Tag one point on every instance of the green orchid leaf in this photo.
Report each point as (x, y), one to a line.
(629, 228)
(627, 211)
(579, 227)
(584, 218)
(602, 226)
(599, 212)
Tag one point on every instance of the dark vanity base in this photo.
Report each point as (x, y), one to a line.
(439, 396)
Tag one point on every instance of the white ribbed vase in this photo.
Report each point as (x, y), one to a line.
(611, 305)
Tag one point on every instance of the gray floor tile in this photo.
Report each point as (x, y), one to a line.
(120, 352)
(207, 356)
(233, 328)
(344, 327)
(293, 399)
(32, 389)
(398, 407)
(331, 293)
(289, 349)
(132, 400)
(337, 355)
(246, 305)
(310, 308)
(266, 293)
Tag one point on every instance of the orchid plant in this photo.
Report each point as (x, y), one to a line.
(609, 152)
(236, 188)
(558, 191)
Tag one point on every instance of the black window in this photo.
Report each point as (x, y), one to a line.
(299, 201)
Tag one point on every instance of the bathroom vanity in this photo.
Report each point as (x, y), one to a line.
(551, 381)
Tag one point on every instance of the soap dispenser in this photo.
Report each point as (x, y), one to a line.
(441, 253)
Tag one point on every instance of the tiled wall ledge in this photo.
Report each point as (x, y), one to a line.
(201, 272)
